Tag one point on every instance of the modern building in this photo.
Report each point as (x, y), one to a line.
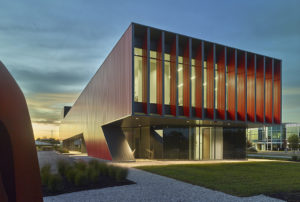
(164, 95)
(273, 137)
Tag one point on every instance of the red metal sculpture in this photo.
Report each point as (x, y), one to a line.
(19, 170)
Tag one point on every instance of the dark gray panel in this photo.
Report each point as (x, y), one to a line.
(117, 144)
(234, 143)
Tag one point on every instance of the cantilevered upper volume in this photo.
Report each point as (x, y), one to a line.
(158, 90)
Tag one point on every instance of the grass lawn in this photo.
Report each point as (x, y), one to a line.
(239, 179)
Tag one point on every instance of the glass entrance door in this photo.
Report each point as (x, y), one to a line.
(206, 143)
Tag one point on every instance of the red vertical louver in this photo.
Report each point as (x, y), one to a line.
(186, 80)
(277, 91)
(268, 91)
(145, 73)
(159, 76)
(199, 85)
(173, 72)
(220, 54)
(250, 87)
(231, 109)
(260, 89)
(241, 86)
(210, 82)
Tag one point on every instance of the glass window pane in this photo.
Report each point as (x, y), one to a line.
(193, 62)
(216, 86)
(180, 84)
(180, 59)
(226, 98)
(138, 93)
(167, 76)
(204, 85)
(152, 80)
(167, 57)
(138, 51)
(193, 84)
(153, 54)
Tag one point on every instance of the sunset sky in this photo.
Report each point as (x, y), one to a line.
(53, 48)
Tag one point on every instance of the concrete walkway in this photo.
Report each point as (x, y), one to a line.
(151, 187)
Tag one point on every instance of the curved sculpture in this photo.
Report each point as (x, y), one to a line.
(19, 170)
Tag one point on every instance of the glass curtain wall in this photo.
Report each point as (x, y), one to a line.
(193, 84)
(193, 143)
(153, 79)
(216, 86)
(167, 76)
(226, 87)
(204, 84)
(180, 81)
(138, 75)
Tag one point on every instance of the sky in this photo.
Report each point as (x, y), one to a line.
(53, 48)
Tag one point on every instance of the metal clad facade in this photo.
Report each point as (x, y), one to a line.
(107, 97)
(218, 83)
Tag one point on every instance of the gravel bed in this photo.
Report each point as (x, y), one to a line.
(151, 187)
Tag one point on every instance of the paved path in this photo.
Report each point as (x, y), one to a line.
(151, 187)
(269, 156)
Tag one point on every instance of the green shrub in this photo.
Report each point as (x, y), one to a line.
(103, 169)
(94, 164)
(45, 173)
(121, 174)
(93, 175)
(117, 173)
(63, 166)
(55, 183)
(81, 178)
(294, 158)
(112, 171)
(70, 175)
(80, 165)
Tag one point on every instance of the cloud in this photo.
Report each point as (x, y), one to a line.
(53, 48)
(51, 81)
(46, 108)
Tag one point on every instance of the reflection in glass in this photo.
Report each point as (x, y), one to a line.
(204, 84)
(193, 84)
(167, 78)
(226, 87)
(180, 81)
(153, 73)
(194, 143)
(216, 86)
(138, 75)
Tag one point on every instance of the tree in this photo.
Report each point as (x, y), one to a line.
(293, 142)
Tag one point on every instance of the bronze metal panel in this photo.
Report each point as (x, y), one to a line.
(106, 98)
(18, 143)
(269, 90)
(260, 88)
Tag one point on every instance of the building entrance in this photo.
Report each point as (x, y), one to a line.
(190, 143)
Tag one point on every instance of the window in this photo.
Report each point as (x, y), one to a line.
(138, 75)
(167, 76)
(193, 83)
(153, 73)
(204, 84)
(180, 81)
(216, 86)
